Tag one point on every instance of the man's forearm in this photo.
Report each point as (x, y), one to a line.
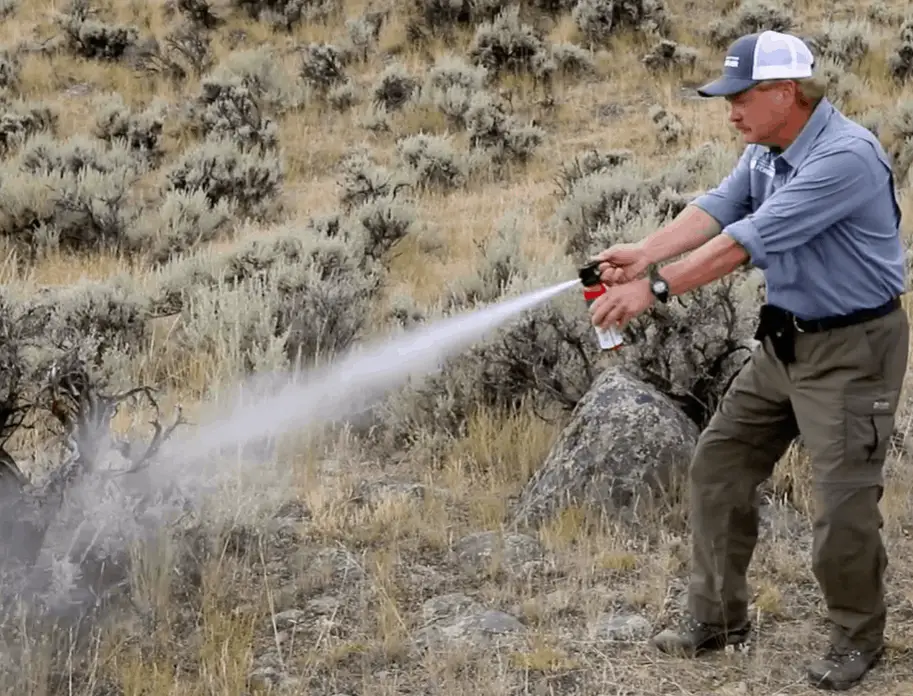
(712, 261)
(689, 230)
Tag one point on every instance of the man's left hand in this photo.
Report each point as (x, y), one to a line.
(619, 304)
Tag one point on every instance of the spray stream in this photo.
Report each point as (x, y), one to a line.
(354, 382)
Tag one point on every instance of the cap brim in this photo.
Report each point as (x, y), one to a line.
(725, 87)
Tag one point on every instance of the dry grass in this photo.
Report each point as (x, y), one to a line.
(208, 634)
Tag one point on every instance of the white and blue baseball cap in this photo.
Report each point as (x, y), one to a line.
(767, 55)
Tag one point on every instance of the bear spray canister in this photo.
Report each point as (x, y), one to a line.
(609, 339)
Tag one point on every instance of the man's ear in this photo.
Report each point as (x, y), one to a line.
(793, 90)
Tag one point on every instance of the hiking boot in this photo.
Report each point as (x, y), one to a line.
(692, 638)
(840, 670)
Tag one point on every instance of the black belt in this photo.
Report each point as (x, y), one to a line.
(781, 326)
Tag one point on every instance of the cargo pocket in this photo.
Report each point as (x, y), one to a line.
(869, 422)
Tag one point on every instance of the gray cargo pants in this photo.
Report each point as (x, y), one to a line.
(840, 394)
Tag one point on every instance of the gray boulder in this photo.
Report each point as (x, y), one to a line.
(626, 440)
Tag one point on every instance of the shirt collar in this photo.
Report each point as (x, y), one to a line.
(798, 148)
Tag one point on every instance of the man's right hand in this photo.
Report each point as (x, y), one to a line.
(622, 263)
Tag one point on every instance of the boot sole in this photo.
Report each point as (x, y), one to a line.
(679, 650)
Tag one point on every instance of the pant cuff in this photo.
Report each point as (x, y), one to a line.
(713, 613)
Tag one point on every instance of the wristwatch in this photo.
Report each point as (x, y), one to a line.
(658, 285)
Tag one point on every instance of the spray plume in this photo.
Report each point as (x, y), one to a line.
(104, 516)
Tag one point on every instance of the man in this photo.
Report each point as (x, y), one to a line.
(811, 203)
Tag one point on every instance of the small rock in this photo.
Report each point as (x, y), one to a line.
(448, 606)
(268, 659)
(621, 627)
(265, 677)
(491, 621)
(475, 629)
(512, 553)
(290, 618)
(291, 685)
(456, 618)
(321, 606)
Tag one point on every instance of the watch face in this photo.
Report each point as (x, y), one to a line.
(659, 286)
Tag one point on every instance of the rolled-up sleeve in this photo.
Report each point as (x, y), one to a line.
(828, 186)
(731, 200)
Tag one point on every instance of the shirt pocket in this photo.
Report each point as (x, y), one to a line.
(760, 184)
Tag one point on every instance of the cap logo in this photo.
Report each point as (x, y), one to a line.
(731, 62)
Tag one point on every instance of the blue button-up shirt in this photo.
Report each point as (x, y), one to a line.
(820, 218)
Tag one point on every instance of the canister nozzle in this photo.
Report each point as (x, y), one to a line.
(589, 274)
